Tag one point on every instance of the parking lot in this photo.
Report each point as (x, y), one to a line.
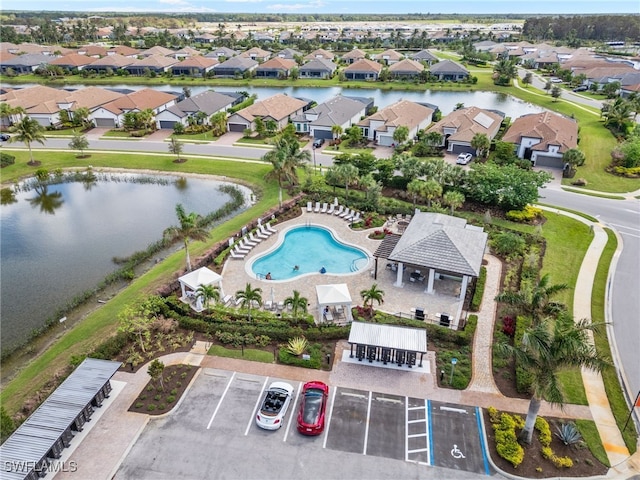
(213, 434)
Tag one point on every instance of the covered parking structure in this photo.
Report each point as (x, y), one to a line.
(388, 343)
(27, 453)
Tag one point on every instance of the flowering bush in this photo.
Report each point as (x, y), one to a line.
(509, 326)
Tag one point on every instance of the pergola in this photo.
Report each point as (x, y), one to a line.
(336, 296)
(190, 282)
(388, 343)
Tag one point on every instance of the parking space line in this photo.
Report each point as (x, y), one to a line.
(292, 409)
(429, 431)
(356, 395)
(406, 422)
(390, 400)
(451, 409)
(366, 428)
(483, 446)
(256, 406)
(226, 389)
(426, 435)
(327, 421)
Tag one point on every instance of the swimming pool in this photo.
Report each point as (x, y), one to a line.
(310, 247)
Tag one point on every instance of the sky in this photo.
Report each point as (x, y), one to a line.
(333, 6)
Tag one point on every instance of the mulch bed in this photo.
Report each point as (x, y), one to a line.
(155, 400)
(535, 466)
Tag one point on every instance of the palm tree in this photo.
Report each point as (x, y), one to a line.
(336, 131)
(190, 228)
(208, 293)
(535, 301)
(504, 71)
(286, 158)
(248, 296)
(348, 174)
(415, 187)
(549, 348)
(296, 302)
(371, 294)
(454, 199)
(175, 147)
(481, 144)
(28, 131)
(431, 190)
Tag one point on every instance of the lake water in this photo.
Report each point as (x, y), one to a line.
(59, 243)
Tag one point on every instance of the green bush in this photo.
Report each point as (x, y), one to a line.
(544, 431)
(527, 215)
(315, 360)
(111, 347)
(507, 244)
(476, 301)
(6, 160)
(524, 380)
(507, 444)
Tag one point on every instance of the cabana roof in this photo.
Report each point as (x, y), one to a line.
(201, 276)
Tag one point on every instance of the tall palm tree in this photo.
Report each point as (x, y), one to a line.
(481, 144)
(415, 187)
(248, 296)
(208, 293)
(454, 199)
(348, 174)
(190, 228)
(431, 190)
(286, 157)
(296, 302)
(535, 301)
(336, 131)
(548, 348)
(28, 131)
(371, 294)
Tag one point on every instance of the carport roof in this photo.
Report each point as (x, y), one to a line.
(389, 336)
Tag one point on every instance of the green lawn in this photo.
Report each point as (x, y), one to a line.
(196, 137)
(248, 354)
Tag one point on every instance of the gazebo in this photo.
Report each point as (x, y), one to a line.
(334, 300)
(190, 282)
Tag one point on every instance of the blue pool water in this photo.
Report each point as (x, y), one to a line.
(311, 248)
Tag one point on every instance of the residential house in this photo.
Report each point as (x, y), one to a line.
(381, 126)
(39, 103)
(289, 54)
(111, 115)
(425, 56)
(197, 66)
(340, 110)
(449, 70)
(124, 51)
(257, 54)
(279, 107)
(95, 51)
(363, 70)
(27, 63)
(72, 61)
(406, 69)
(157, 50)
(320, 53)
(276, 68)
(235, 67)
(154, 64)
(317, 68)
(222, 53)
(459, 127)
(543, 138)
(208, 102)
(388, 57)
(353, 56)
(205, 38)
(111, 63)
(186, 52)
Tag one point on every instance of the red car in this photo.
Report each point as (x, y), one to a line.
(312, 408)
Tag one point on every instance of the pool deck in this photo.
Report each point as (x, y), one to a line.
(396, 299)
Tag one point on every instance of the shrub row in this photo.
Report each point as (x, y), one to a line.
(524, 379)
(527, 215)
(544, 435)
(6, 160)
(507, 444)
(476, 301)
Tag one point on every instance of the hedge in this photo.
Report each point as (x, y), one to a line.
(476, 301)
(524, 379)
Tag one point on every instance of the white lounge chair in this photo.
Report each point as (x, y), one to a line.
(265, 232)
(356, 218)
(339, 210)
(309, 206)
(345, 213)
(324, 208)
(268, 305)
(240, 249)
(238, 256)
(226, 299)
(280, 305)
(350, 216)
(260, 234)
(254, 239)
(332, 207)
(269, 228)
(246, 243)
(317, 209)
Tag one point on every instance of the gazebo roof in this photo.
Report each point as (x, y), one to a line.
(443, 242)
(390, 336)
(201, 276)
(336, 294)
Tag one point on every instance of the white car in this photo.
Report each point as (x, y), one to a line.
(274, 406)
(464, 158)
(555, 80)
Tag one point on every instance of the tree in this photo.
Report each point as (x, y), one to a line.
(218, 122)
(535, 300)
(134, 322)
(353, 136)
(81, 117)
(286, 157)
(431, 190)
(415, 187)
(296, 302)
(186, 92)
(190, 228)
(248, 296)
(371, 294)
(260, 128)
(79, 142)
(400, 134)
(155, 371)
(548, 349)
(208, 293)
(504, 71)
(453, 199)
(481, 144)
(336, 131)
(28, 131)
(175, 146)
(556, 93)
(573, 158)
(348, 174)
(527, 79)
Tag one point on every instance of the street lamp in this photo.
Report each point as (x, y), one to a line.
(314, 158)
(453, 366)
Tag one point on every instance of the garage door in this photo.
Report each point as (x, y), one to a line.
(237, 127)
(105, 122)
(319, 133)
(545, 161)
(167, 124)
(463, 149)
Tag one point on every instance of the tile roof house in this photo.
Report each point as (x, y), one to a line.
(27, 63)
(197, 66)
(111, 115)
(279, 107)
(124, 51)
(235, 67)
(543, 138)
(110, 62)
(39, 103)
(459, 127)
(424, 56)
(318, 68)
(276, 68)
(208, 102)
(354, 55)
(340, 110)
(448, 70)
(72, 61)
(222, 52)
(320, 53)
(186, 52)
(92, 51)
(156, 50)
(388, 57)
(406, 68)
(363, 70)
(380, 126)
(157, 64)
(289, 53)
(257, 54)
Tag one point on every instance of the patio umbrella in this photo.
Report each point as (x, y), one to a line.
(273, 297)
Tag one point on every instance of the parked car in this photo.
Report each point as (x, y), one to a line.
(274, 406)
(4, 137)
(318, 142)
(581, 88)
(312, 408)
(464, 158)
(555, 80)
